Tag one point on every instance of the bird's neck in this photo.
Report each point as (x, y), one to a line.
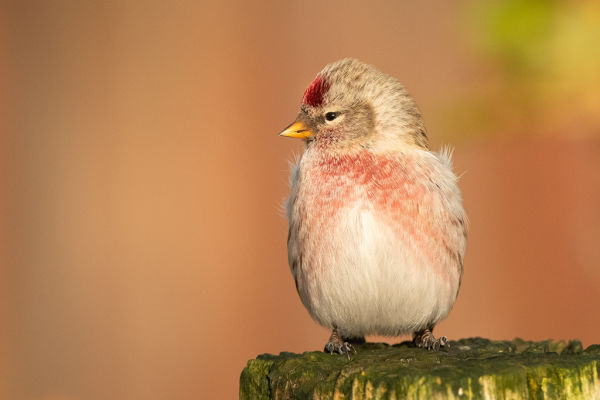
(355, 161)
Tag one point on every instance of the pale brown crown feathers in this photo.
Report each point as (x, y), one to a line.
(371, 103)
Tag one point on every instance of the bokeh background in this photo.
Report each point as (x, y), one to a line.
(142, 239)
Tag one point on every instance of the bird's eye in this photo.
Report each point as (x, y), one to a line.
(330, 116)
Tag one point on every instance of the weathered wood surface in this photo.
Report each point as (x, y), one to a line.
(471, 369)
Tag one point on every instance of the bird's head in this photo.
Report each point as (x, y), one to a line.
(352, 103)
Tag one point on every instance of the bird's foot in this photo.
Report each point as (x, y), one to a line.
(339, 347)
(337, 344)
(425, 339)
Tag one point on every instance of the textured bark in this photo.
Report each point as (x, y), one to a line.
(471, 369)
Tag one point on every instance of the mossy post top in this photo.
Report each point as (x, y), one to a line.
(473, 368)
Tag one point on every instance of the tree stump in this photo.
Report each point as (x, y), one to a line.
(473, 368)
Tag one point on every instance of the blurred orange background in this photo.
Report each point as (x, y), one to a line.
(143, 247)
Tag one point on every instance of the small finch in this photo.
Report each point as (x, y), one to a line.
(377, 228)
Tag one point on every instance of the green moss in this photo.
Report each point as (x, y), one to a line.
(254, 382)
(473, 368)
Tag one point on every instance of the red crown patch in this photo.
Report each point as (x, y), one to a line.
(313, 95)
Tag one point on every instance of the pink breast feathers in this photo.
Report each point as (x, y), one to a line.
(386, 182)
(313, 95)
(397, 191)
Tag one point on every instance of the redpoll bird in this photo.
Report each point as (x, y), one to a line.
(376, 223)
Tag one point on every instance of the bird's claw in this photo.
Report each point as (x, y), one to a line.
(431, 343)
(427, 341)
(343, 348)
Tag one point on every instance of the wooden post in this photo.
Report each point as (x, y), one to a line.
(473, 368)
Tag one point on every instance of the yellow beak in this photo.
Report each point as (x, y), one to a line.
(297, 130)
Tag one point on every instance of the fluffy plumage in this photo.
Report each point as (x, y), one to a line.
(376, 224)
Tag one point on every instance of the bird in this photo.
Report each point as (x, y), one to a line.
(377, 229)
